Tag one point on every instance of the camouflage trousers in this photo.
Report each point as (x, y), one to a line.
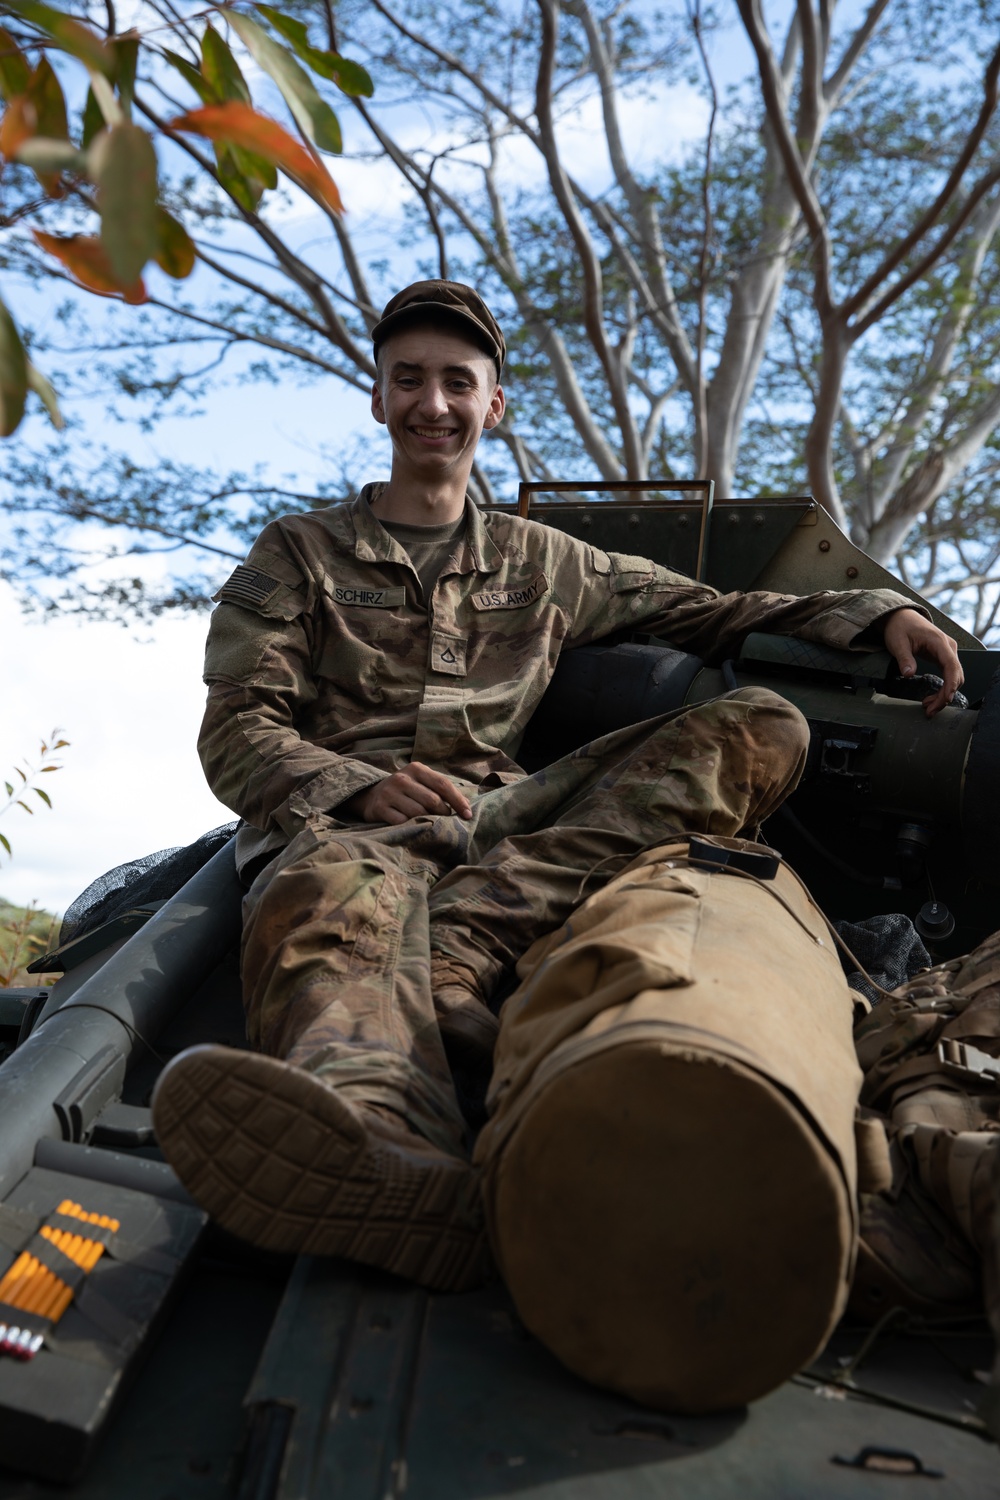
(371, 952)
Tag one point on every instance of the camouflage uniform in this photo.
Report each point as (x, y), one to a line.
(930, 1211)
(328, 671)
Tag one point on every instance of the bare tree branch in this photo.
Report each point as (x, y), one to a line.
(775, 104)
(932, 215)
(593, 300)
(701, 393)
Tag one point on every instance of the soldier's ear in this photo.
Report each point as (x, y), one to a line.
(378, 408)
(497, 407)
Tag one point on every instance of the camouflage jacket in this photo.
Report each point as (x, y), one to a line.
(328, 671)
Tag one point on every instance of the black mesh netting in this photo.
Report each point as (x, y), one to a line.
(888, 947)
(154, 877)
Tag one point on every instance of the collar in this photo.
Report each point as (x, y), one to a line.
(476, 553)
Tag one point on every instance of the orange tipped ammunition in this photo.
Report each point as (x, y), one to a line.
(33, 1288)
(70, 1246)
(61, 1303)
(16, 1289)
(28, 1292)
(13, 1275)
(54, 1290)
(53, 1285)
(37, 1291)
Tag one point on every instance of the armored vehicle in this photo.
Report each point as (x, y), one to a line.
(187, 1365)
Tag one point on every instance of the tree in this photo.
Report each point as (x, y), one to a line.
(802, 291)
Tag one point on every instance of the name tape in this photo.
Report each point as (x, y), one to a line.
(370, 598)
(512, 598)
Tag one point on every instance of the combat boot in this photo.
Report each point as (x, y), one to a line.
(277, 1156)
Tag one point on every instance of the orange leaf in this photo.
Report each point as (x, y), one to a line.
(237, 124)
(40, 110)
(19, 123)
(86, 258)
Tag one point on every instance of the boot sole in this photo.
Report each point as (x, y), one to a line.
(277, 1158)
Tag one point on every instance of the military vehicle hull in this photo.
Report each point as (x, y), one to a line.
(194, 1366)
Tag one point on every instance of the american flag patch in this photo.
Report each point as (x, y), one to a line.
(248, 586)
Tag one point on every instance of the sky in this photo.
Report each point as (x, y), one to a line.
(131, 782)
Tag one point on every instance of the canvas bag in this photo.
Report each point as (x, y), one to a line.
(669, 1166)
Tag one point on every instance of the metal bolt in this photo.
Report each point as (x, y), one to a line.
(633, 519)
(733, 518)
(758, 518)
(852, 572)
(586, 522)
(824, 545)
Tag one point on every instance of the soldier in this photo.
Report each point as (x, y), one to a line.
(371, 670)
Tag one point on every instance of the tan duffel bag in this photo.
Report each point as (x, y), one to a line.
(669, 1167)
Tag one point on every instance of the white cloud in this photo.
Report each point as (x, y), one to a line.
(132, 782)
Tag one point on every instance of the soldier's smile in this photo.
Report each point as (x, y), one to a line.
(435, 435)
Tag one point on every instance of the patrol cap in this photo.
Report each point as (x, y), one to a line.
(451, 301)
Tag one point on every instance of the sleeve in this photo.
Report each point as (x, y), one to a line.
(620, 592)
(258, 671)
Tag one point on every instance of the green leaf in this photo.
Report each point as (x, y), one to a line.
(15, 70)
(79, 41)
(13, 375)
(221, 69)
(43, 155)
(45, 93)
(293, 31)
(123, 165)
(206, 93)
(93, 119)
(45, 393)
(10, 789)
(29, 810)
(350, 77)
(175, 252)
(255, 167)
(5, 842)
(126, 54)
(44, 796)
(246, 191)
(313, 115)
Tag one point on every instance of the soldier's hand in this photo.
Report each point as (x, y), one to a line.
(906, 634)
(408, 793)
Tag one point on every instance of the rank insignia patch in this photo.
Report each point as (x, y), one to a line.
(248, 586)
